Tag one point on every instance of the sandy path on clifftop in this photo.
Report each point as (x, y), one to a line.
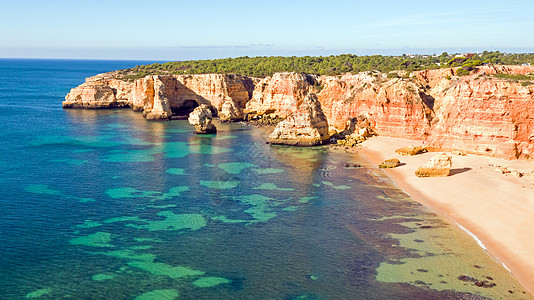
(497, 208)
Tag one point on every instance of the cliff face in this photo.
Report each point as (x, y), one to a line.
(161, 96)
(477, 113)
(494, 117)
(99, 92)
(394, 107)
(216, 88)
(281, 93)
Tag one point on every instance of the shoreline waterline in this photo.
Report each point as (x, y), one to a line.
(377, 149)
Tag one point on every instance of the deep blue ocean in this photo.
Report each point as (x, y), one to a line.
(102, 204)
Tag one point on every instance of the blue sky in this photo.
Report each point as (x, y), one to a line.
(180, 30)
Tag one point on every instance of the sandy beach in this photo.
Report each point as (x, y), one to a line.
(497, 208)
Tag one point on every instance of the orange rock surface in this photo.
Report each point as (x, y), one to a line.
(145, 94)
(478, 113)
(281, 93)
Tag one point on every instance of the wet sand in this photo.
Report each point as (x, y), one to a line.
(497, 208)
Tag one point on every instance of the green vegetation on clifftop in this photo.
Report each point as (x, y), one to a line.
(328, 65)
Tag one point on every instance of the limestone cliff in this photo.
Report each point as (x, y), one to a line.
(159, 108)
(161, 96)
(101, 91)
(230, 111)
(281, 93)
(477, 113)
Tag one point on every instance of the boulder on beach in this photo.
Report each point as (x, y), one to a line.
(390, 163)
(201, 118)
(411, 150)
(438, 166)
(358, 130)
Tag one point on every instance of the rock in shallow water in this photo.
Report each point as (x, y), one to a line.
(307, 126)
(201, 118)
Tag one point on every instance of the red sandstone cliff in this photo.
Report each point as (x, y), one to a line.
(476, 113)
(393, 106)
(495, 117)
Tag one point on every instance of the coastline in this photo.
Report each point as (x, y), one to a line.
(500, 219)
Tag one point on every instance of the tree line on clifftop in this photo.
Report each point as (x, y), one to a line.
(328, 65)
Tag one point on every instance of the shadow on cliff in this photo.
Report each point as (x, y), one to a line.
(427, 100)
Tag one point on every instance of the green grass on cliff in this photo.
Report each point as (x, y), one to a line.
(328, 65)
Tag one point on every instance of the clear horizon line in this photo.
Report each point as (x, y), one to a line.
(274, 55)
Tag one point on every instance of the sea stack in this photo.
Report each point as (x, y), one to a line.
(201, 118)
(307, 126)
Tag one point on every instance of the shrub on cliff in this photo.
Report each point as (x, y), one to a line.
(325, 65)
(462, 71)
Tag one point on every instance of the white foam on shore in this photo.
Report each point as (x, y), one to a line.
(479, 242)
(446, 216)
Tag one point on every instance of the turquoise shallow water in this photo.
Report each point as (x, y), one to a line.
(105, 205)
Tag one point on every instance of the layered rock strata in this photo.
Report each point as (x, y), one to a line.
(495, 117)
(161, 96)
(394, 107)
(307, 126)
(280, 94)
(158, 108)
(478, 113)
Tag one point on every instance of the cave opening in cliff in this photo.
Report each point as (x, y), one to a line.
(185, 109)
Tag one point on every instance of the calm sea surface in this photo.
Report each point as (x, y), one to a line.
(101, 204)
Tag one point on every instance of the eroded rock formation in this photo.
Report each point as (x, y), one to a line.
(307, 126)
(280, 94)
(201, 118)
(158, 108)
(161, 96)
(390, 163)
(478, 113)
(230, 111)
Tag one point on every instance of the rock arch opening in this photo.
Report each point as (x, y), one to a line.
(184, 109)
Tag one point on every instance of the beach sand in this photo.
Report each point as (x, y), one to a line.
(497, 208)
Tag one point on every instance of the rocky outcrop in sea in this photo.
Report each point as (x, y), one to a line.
(307, 126)
(201, 118)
